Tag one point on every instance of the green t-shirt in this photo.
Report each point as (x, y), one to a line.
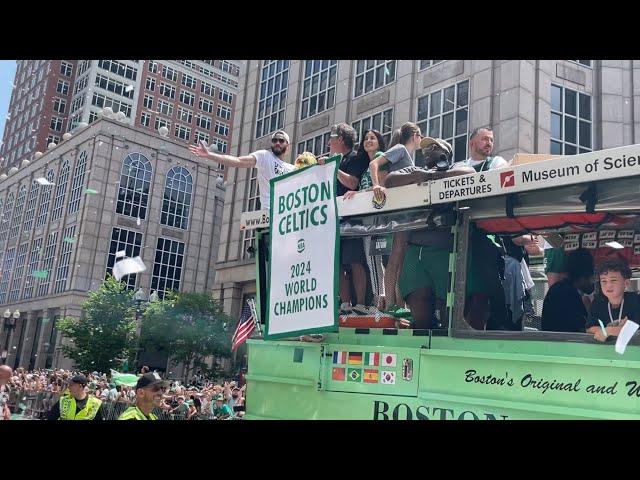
(223, 410)
(365, 180)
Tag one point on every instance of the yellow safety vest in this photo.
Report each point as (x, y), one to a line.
(68, 408)
(134, 413)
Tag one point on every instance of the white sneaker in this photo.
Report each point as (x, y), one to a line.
(345, 308)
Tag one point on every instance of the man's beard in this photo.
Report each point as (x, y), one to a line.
(274, 149)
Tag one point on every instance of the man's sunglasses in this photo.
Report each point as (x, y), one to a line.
(278, 140)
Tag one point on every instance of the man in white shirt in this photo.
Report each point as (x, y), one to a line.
(270, 163)
(480, 149)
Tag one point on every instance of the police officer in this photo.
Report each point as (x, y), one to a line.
(149, 390)
(75, 404)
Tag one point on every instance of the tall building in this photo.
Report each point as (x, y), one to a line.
(64, 217)
(194, 99)
(534, 106)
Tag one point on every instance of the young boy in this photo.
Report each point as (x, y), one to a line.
(613, 306)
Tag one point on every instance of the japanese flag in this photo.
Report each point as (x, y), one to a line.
(389, 359)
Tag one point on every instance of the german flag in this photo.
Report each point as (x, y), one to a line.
(370, 376)
(355, 358)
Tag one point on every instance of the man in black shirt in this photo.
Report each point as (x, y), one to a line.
(352, 257)
(614, 306)
(563, 310)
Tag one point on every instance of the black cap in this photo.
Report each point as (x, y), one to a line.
(148, 379)
(79, 379)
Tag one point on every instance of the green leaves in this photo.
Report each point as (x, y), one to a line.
(106, 330)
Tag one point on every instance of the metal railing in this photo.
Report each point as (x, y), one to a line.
(26, 405)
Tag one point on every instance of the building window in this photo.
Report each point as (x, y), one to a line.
(47, 263)
(182, 132)
(44, 201)
(66, 69)
(203, 122)
(150, 84)
(59, 105)
(56, 124)
(274, 80)
(205, 105)
(586, 63)
(17, 212)
(381, 121)
(93, 116)
(147, 102)
(318, 145)
(62, 87)
(188, 81)
(34, 260)
(161, 122)
(145, 119)
(152, 66)
(118, 68)
(185, 115)
(131, 243)
(77, 184)
(61, 191)
(373, 74)
(81, 84)
(201, 136)
(19, 272)
(207, 89)
(222, 129)
(166, 108)
(176, 204)
(319, 87)
(52, 139)
(221, 145)
(167, 267)
(135, 181)
(227, 97)
(31, 207)
(169, 73)
(6, 273)
(444, 114)
(428, 63)
(62, 271)
(119, 88)
(100, 100)
(571, 123)
(83, 66)
(224, 112)
(168, 91)
(6, 217)
(187, 98)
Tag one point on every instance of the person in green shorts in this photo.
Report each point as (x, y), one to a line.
(424, 280)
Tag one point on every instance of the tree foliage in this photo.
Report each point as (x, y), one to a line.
(189, 327)
(105, 335)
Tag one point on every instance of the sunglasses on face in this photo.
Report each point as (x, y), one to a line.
(278, 140)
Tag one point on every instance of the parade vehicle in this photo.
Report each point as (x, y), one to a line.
(376, 371)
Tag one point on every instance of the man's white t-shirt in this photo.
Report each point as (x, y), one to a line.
(269, 166)
(496, 162)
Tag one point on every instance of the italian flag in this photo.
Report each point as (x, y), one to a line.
(372, 358)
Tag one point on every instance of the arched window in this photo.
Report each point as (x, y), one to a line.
(31, 207)
(6, 217)
(135, 181)
(46, 198)
(78, 183)
(61, 190)
(176, 204)
(17, 212)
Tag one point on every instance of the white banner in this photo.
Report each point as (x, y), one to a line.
(587, 167)
(304, 252)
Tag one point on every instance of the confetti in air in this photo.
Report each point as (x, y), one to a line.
(121, 254)
(91, 191)
(69, 240)
(44, 181)
(129, 88)
(40, 274)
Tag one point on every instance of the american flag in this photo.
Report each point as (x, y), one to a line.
(245, 327)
